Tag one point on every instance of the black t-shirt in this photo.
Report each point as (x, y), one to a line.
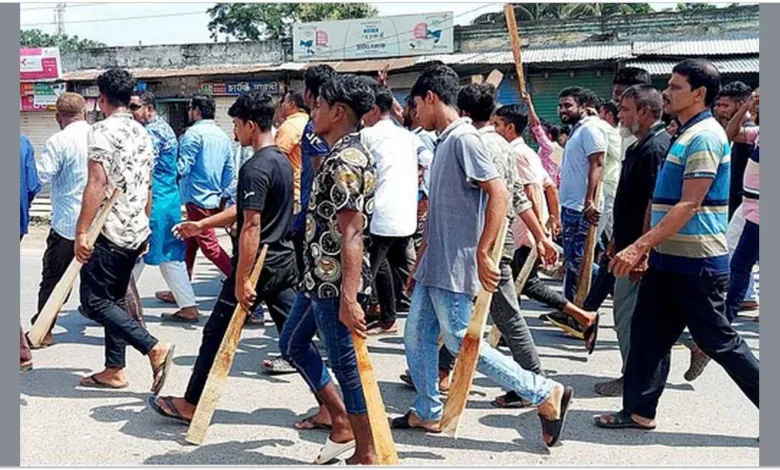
(265, 184)
(740, 153)
(636, 186)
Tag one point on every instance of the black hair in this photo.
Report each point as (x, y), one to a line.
(630, 76)
(477, 100)
(551, 129)
(564, 130)
(646, 96)
(254, 106)
(315, 77)
(609, 107)
(439, 79)
(700, 73)
(147, 98)
(205, 104)
(117, 86)
(582, 96)
(735, 90)
(297, 98)
(513, 114)
(383, 97)
(351, 91)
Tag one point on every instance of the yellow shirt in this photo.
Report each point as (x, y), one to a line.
(288, 139)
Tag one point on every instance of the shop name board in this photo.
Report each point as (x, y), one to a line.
(39, 64)
(39, 96)
(239, 88)
(390, 36)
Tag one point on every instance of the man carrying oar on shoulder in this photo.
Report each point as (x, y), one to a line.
(263, 213)
(469, 202)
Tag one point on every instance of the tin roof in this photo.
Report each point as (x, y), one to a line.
(725, 66)
(709, 47)
(148, 73)
(536, 55)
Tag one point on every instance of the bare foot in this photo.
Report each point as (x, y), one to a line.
(368, 459)
(444, 381)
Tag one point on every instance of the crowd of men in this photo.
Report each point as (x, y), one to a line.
(368, 207)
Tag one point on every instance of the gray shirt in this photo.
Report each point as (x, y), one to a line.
(456, 211)
(586, 139)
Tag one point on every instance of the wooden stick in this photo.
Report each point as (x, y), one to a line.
(586, 268)
(522, 278)
(514, 39)
(495, 78)
(222, 364)
(466, 364)
(377, 416)
(57, 297)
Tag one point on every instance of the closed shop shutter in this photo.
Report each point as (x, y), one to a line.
(221, 117)
(544, 91)
(38, 126)
(507, 92)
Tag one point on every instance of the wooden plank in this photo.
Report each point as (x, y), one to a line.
(495, 78)
(522, 277)
(57, 298)
(476, 79)
(514, 39)
(586, 268)
(466, 365)
(223, 361)
(377, 416)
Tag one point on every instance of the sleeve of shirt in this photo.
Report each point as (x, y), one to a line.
(474, 158)
(229, 175)
(520, 201)
(49, 163)
(254, 185)
(703, 156)
(594, 140)
(188, 151)
(318, 147)
(545, 144)
(751, 134)
(99, 147)
(347, 192)
(285, 138)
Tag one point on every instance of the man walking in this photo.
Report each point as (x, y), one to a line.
(29, 185)
(121, 154)
(468, 205)
(687, 278)
(165, 250)
(641, 107)
(63, 165)
(288, 138)
(207, 170)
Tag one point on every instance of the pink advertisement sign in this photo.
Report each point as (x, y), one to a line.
(39, 64)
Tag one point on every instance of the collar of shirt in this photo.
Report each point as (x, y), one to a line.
(518, 141)
(203, 122)
(454, 124)
(582, 122)
(655, 129)
(122, 115)
(298, 115)
(692, 122)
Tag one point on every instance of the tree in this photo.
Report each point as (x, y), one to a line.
(257, 21)
(37, 38)
(695, 6)
(565, 11)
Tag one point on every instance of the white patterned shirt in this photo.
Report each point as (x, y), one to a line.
(127, 153)
(63, 164)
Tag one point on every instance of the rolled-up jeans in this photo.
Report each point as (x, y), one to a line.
(435, 311)
(308, 316)
(575, 232)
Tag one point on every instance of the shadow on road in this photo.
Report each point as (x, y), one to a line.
(229, 453)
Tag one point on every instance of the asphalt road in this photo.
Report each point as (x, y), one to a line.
(707, 423)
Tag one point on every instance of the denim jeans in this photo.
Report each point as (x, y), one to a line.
(733, 234)
(436, 310)
(308, 316)
(575, 232)
(104, 281)
(742, 262)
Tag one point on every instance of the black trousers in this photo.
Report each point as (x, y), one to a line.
(104, 281)
(666, 304)
(56, 259)
(534, 287)
(389, 264)
(276, 287)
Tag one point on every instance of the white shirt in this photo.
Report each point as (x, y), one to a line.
(398, 154)
(530, 168)
(63, 163)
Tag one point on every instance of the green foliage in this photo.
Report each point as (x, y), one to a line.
(37, 38)
(565, 11)
(695, 6)
(258, 21)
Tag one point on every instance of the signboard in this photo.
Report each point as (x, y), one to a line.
(27, 103)
(46, 94)
(39, 64)
(235, 88)
(390, 36)
(91, 91)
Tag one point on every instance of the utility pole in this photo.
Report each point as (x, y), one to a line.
(59, 19)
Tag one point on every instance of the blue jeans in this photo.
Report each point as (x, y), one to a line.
(575, 232)
(742, 261)
(437, 310)
(308, 316)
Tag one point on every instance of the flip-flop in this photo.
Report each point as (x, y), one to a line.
(554, 427)
(278, 367)
(620, 421)
(97, 383)
(165, 297)
(332, 450)
(312, 425)
(403, 422)
(161, 411)
(379, 331)
(511, 400)
(176, 318)
(26, 366)
(592, 330)
(162, 371)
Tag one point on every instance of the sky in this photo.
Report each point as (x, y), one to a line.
(181, 23)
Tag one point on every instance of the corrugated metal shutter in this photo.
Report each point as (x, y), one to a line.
(221, 117)
(38, 126)
(508, 92)
(545, 90)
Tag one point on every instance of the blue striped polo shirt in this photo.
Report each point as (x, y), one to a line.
(700, 150)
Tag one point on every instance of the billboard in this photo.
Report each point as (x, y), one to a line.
(390, 36)
(39, 64)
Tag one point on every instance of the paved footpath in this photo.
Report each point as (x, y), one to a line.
(706, 423)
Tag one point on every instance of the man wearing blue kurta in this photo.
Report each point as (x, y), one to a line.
(165, 250)
(29, 185)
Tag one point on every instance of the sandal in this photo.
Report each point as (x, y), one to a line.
(378, 330)
(331, 450)
(592, 334)
(176, 414)
(310, 424)
(554, 427)
(177, 318)
(93, 382)
(278, 367)
(160, 373)
(620, 420)
(25, 366)
(403, 422)
(511, 400)
(165, 297)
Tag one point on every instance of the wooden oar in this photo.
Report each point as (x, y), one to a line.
(494, 336)
(468, 356)
(377, 416)
(223, 361)
(57, 297)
